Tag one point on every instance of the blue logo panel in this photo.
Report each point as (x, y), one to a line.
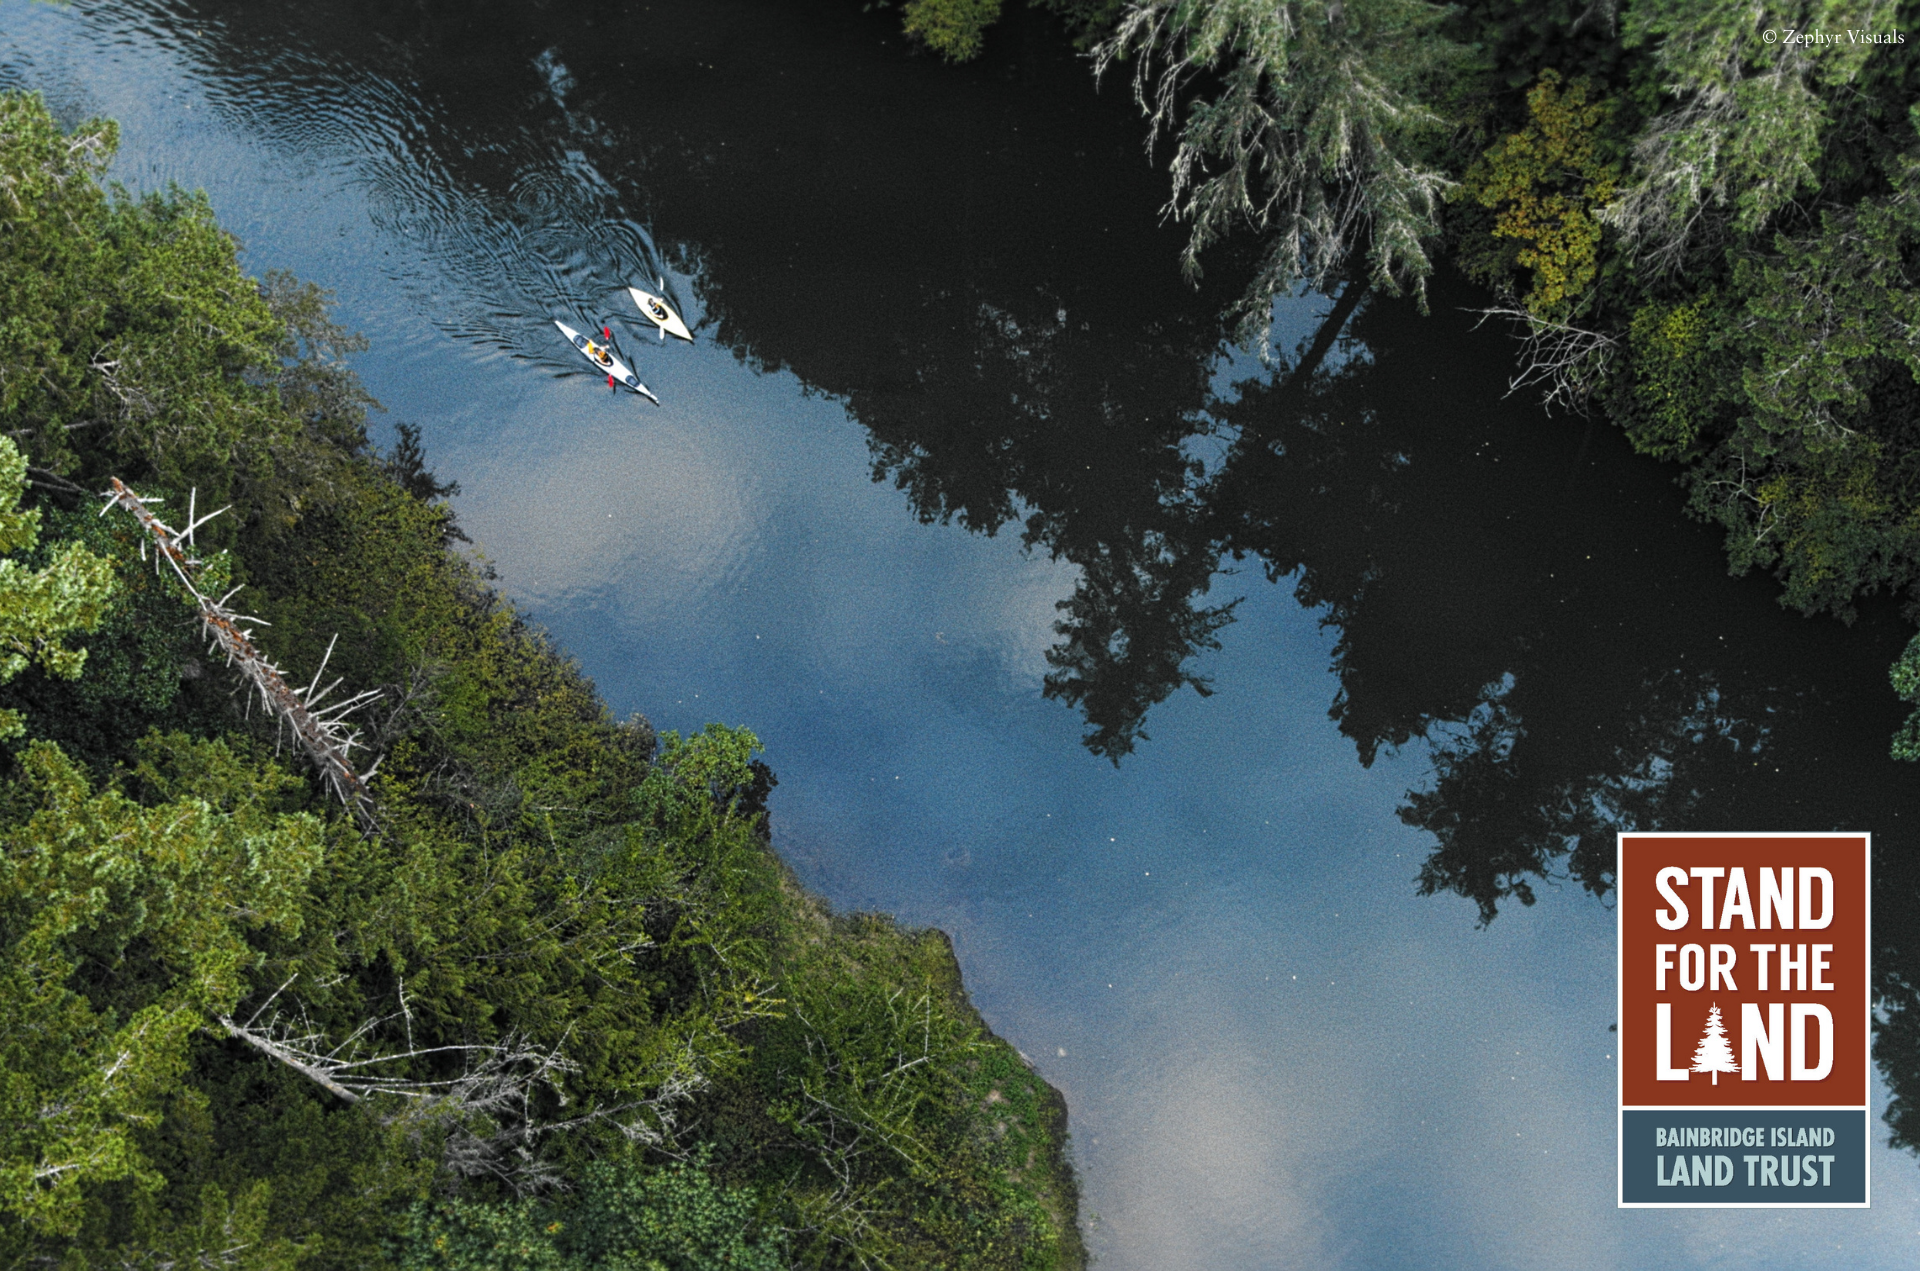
(1752, 1157)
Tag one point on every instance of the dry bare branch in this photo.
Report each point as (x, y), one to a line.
(488, 1113)
(1567, 361)
(321, 731)
(200, 1260)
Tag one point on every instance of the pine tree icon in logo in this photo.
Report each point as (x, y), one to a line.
(1713, 1054)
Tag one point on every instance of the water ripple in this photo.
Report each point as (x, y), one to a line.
(504, 227)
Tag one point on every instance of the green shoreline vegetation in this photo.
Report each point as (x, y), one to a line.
(550, 1001)
(1702, 216)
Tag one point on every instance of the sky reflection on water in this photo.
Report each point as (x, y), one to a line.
(1274, 1054)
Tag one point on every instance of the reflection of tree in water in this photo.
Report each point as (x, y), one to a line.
(1518, 594)
(1506, 815)
(1514, 591)
(1082, 438)
(1896, 985)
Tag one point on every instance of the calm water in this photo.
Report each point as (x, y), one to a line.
(1275, 1052)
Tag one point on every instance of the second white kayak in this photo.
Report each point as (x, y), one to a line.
(660, 313)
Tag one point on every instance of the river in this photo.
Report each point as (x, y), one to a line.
(946, 377)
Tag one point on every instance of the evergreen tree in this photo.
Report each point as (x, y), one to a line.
(39, 608)
(1743, 131)
(1318, 136)
(1713, 1054)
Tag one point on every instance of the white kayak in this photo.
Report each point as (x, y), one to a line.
(660, 313)
(605, 362)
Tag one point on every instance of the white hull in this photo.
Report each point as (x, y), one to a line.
(660, 313)
(605, 362)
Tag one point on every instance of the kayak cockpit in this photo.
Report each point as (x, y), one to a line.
(604, 360)
(657, 311)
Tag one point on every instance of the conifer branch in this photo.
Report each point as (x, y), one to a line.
(321, 731)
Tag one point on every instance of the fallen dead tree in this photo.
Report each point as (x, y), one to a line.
(322, 732)
(486, 1112)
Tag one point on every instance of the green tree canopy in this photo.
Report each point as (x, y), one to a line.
(1318, 133)
(40, 608)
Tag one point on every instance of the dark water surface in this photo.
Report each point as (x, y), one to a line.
(1493, 637)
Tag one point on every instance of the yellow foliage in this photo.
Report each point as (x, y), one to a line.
(952, 28)
(1825, 521)
(1673, 378)
(1545, 184)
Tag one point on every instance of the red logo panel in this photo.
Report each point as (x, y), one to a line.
(1743, 970)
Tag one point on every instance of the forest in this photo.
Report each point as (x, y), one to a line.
(430, 962)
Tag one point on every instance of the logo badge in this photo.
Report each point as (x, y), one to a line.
(1745, 1020)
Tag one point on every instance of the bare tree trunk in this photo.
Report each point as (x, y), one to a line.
(321, 732)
